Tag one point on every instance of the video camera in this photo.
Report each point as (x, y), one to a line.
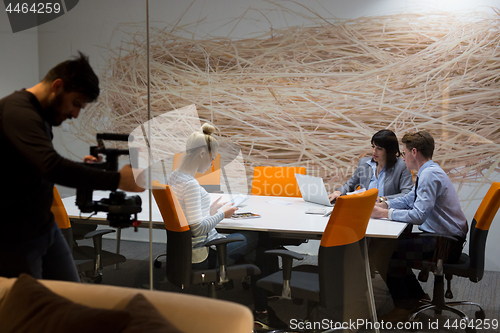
(122, 210)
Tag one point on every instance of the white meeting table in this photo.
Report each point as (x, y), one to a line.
(281, 216)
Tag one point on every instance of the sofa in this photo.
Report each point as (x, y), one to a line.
(187, 313)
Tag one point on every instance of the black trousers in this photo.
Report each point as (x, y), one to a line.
(395, 259)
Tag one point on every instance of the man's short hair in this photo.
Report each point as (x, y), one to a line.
(77, 76)
(422, 141)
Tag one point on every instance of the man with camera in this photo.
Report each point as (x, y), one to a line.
(30, 241)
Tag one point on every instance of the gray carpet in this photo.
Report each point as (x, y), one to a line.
(135, 273)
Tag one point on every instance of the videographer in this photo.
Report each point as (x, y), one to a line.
(30, 241)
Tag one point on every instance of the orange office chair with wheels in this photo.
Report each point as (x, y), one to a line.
(89, 260)
(276, 181)
(209, 180)
(61, 218)
(179, 248)
(470, 265)
(342, 275)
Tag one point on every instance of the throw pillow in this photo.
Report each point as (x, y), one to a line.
(31, 307)
(145, 318)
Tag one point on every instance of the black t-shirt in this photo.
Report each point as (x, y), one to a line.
(30, 166)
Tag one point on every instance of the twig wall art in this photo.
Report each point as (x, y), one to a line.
(314, 95)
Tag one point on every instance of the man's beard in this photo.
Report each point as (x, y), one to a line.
(53, 110)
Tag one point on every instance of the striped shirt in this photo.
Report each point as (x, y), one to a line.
(195, 203)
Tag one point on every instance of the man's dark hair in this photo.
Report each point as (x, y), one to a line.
(77, 76)
(422, 141)
(387, 140)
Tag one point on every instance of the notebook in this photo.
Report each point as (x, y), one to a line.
(313, 189)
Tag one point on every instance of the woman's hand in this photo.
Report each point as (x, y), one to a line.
(229, 210)
(214, 207)
(333, 196)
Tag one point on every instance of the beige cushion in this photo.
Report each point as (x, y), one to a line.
(191, 314)
(31, 307)
(145, 318)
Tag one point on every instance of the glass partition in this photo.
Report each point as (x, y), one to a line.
(284, 84)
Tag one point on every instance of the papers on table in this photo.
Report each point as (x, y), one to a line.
(319, 211)
(361, 190)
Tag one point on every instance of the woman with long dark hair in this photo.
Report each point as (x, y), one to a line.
(384, 170)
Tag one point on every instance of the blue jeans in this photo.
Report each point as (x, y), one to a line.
(45, 257)
(235, 250)
(252, 249)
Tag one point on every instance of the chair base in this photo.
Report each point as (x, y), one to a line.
(449, 306)
(86, 265)
(91, 276)
(157, 262)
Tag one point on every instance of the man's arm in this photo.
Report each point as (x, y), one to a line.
(380, 211)
(404, 202)
(28, 133)
(426, 200)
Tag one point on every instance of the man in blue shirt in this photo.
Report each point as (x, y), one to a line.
(434, 206)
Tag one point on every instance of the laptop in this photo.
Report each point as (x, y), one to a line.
(313, 189)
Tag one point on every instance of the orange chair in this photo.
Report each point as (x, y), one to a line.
(341, 275)
(210, 179)
(179, 248)
(276, 181)
(469, 265)
(89, 260)
(61, 217)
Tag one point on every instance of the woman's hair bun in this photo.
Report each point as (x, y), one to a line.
(208, 129)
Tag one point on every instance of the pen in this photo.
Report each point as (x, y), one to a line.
(328, 213)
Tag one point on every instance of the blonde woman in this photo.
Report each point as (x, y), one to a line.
(203, 216)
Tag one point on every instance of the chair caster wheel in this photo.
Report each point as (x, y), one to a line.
(91, 277)
(245, 283)
(480, 315)
(157, 264)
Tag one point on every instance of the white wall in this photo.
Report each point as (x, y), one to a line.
(18, 58)
(89, 28)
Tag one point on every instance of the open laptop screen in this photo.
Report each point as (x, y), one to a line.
(313, 189)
